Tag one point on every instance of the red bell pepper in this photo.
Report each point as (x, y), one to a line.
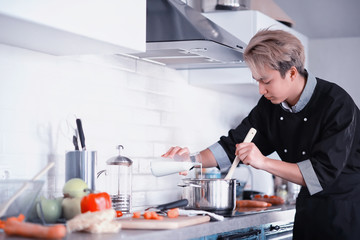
(95, 202)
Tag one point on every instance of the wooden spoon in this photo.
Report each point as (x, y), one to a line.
(249, 137)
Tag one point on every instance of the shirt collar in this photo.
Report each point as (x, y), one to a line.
(305, 95)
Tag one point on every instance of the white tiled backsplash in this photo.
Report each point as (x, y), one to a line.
(147, 108)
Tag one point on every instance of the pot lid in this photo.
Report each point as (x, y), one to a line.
(119, 160)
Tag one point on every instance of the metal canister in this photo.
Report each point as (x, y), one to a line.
(81, 164)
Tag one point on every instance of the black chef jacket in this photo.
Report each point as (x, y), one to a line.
(325, 133)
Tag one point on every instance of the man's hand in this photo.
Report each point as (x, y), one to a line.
(249, 154)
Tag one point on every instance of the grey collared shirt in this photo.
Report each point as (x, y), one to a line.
(306, 168)
(305, 95)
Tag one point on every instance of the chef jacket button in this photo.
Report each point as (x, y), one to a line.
(281, 118)
(305, 119)
(303, 152)
(285, 150)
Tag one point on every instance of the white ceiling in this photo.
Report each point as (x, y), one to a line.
(324, 18)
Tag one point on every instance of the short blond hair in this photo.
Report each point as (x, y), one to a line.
(276, 49)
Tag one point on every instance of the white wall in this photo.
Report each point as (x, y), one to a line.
(145, 107)
(337, 60)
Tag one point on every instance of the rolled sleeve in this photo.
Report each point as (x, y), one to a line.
(311, 180)
(220, 157)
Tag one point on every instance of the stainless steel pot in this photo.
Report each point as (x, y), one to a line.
(209, 194)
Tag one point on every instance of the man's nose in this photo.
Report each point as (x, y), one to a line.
(262, 89)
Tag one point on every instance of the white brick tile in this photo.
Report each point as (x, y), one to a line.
(138, 200)
(149, 69)
(171, 119)
(144, 183)
(154, 101)
(146, 117)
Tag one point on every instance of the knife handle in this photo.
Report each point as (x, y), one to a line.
(175, 204)
(81, 133)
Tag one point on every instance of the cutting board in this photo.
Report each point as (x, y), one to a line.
(166, 223)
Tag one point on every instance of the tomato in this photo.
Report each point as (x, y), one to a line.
(95, 202)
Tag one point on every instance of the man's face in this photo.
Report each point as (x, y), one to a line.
(273, 87)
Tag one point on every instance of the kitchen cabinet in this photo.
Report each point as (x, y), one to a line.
(64, 27)
(243, 25)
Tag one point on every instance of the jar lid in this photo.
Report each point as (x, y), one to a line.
(119, 160)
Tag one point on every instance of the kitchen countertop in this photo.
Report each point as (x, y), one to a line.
(283, 215)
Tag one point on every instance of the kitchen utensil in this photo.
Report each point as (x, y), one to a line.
(170, 205)
(6, 205)
(214, 195)
(81, 133)
(166, 223)
(75, 142)
(249, 137)
(81, 164)
(197, 212)
(119, 181)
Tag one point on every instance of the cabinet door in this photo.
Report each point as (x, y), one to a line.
(63, 27)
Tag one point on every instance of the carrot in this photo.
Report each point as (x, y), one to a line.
(252, 203)
(173, 213)
(19, 218)
(25, 229)
(154, 215)
(136, 215)
(159, 217)
(147, 215)
(274, 200)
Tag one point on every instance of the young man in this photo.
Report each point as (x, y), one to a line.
(312, 124)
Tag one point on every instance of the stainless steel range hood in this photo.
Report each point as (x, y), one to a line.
(182, 38)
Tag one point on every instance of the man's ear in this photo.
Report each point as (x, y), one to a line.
(293, 73)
